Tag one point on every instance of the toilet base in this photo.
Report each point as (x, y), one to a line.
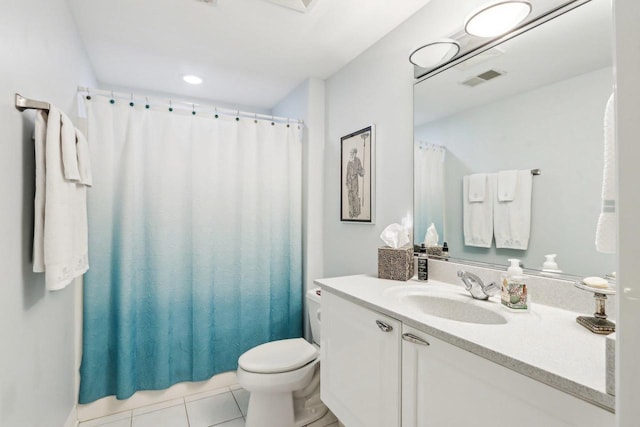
(296, 409)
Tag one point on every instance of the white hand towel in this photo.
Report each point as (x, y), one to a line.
(60, 239)
(507, 181)
(68, 146)
(512, 220)
(478, 216)
(40, 135)
(84, 163)
(606, 240)
(477, 187)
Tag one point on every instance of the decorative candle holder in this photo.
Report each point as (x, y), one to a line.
(598, 323)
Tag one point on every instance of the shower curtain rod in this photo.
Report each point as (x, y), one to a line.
(186, 105)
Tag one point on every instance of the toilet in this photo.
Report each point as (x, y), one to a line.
(283, 377)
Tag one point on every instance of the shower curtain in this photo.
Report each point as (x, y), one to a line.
(194, 243)
(429, 190)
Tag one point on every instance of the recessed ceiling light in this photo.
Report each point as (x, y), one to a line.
(498, 18)
(191, 79)
(435, 53)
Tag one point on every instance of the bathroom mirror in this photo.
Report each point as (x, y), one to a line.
(535, 101)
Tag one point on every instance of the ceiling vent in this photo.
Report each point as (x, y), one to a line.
(209, 2)
(303, 6)
(482, 78)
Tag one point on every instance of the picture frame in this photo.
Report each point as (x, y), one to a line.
(357, 176)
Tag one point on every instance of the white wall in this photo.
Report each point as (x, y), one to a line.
(307, 102)
(377, 88)
(527, 131)
(40, 57)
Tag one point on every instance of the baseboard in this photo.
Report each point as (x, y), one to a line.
(72, 419)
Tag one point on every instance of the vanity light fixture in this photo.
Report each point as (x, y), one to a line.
(497, 18)
(191, 79)
(434, 53)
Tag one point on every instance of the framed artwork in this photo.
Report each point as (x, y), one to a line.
(357, 176)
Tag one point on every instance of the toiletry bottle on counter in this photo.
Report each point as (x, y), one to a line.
(514, 289)
(423, 264)
(445, 251)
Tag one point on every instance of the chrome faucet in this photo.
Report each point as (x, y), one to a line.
(476, 287)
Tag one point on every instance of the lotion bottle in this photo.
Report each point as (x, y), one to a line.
(514, 294)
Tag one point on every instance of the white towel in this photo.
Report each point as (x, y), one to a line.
(84, 163)
(478, 216)
(60, 228)
(512, 220)
(477, 187)
(507, 181)
(606, 240)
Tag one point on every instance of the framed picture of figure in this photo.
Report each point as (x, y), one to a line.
(357, 176)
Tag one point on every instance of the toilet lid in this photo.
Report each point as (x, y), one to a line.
(278, 356)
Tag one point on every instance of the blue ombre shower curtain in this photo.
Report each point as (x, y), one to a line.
(194, 242)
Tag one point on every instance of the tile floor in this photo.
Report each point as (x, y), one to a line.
(225, 407)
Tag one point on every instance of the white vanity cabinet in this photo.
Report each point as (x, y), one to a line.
(360, 371)
(443, 385)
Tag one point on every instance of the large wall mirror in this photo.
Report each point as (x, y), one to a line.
(542, 109)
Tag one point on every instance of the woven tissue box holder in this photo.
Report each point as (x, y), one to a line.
(395, 264)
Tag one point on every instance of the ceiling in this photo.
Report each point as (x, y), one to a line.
(575, 43)
(249, 52)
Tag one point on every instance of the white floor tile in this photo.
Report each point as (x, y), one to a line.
(238, 422)
(109, 420)
(235, 387)
(242, 397)
(156, 407)
(204, 394)
(176, 416)
(213, 410)
(329, 420)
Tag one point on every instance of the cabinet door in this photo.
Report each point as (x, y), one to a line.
(360, 364)
(443, 385)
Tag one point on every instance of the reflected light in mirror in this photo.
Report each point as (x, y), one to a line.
(497, 18)
(435, 53)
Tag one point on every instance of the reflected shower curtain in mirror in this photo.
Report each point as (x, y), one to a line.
(195, 246)
(429, 190)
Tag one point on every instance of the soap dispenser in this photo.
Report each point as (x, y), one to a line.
(514, 289)
(550, 264)
(514, 269)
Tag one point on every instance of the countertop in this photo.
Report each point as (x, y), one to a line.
(546, 343)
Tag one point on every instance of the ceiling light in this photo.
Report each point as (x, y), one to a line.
(497, 18)
(435, 53)
(194, 80)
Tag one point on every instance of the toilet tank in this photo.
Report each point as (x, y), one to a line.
(313, 307)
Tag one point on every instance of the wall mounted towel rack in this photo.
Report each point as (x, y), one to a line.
(23, 103)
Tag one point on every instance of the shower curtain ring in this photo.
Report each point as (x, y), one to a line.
(272, 122)
(216, 111)
(147, 102)
(193, 109)
(288, 122)
(170, 106)
(255, 117)
(237, 115)
(112, 101)
(131, 104)
(88, 97)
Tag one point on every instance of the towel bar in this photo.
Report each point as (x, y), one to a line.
(23, 103)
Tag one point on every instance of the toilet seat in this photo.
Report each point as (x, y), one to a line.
(278, 356)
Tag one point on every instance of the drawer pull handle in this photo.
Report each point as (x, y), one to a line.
(383, 326)
(414, 339)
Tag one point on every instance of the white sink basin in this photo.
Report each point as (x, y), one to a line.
(453, 306)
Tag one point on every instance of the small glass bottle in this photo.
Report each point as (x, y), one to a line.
(423, 264)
